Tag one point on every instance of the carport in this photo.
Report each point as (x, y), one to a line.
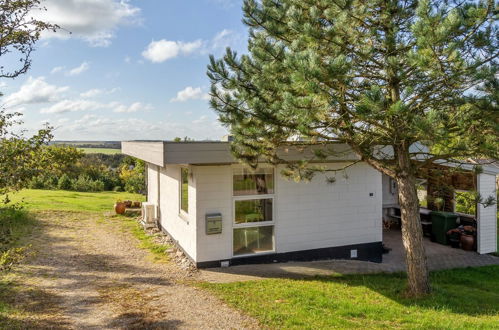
(447, 187)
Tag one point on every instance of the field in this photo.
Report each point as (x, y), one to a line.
(108, 151)
(34, 199)
(461, 299)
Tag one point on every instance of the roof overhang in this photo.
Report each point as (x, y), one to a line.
(218, 152)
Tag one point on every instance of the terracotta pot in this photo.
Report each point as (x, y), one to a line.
(136, 205)
(120, 208)
(128, 203)
(467, 242)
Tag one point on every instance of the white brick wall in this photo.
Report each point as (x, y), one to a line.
(487, 216)
(181, 228)
(307, 215)
(318, 214)
(214, 195)
(152, 183)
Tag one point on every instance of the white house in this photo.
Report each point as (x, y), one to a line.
(218, 210)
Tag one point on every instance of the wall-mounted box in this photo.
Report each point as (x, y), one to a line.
(213, 223)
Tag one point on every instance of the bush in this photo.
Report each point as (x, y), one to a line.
(83, 184)
(37, 183)
(98, 185)
(64, 182)
(118, 188)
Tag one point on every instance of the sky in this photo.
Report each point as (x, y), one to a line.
(128, 70)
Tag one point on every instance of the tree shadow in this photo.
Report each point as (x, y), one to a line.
(139, 320)
(467, 291)
(43, 305)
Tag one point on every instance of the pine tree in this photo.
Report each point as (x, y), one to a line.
(368, 73)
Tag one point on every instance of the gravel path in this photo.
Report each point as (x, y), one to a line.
(91, 275)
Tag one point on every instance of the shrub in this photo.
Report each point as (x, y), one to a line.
(118, 188)
(37, 183)
(98, 185)
(83, 184)
(64, 182)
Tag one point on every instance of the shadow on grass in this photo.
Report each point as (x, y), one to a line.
(469, 291)
(28, 307)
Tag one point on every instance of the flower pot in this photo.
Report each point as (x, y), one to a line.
(467, 242)
(136, 205)
(128, 203)
(120, 208)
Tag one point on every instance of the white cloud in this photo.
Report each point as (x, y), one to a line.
(89, 105)
(134, 107)
(94, 21)
(93, 126)
(3, 84)
(225, 38)
(57, 69)
(162, 50)
(128, 59)
(79, 69)
(200, 120)
(96, 92)
(72, 106)
(190, 93)
(35, 90)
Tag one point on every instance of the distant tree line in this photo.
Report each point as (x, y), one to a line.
(86, 144)
(95, 172)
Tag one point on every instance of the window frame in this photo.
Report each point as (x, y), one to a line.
(253, 224)
(247, 198)
(181, 210)
(242, 195)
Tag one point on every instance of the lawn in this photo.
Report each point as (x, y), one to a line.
(109, 151)
(463, 298)
(34, 199)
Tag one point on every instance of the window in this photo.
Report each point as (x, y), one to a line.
(257, 182)
(253, 210)
(184, 189)
(253, 240)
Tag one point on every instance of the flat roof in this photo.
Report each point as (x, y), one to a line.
(218, 152)
(160, 152)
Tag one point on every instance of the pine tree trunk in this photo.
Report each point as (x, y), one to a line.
(412, 236)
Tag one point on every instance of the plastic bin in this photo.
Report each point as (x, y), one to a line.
(441, 223)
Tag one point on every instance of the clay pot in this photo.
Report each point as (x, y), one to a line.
(128, 203)
(136, 205)
(120, 208)
(467, 242)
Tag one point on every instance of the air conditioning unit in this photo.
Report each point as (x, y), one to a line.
(149, 215)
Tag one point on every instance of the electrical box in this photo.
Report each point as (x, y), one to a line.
(213, 223)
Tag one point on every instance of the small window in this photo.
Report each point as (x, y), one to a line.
(253, 210)
(184, 189)
(257, 182)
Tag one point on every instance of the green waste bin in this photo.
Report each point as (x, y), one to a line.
(441, 223)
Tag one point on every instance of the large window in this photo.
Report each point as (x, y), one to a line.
(253, 211)
(184, 189)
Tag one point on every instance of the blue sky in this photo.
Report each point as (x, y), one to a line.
(129, 69)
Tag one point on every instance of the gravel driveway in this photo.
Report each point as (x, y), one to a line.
(89, 274)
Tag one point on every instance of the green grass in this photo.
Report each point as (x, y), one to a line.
(109, 151)
(146, 242)
(463, 298)
(34, 199)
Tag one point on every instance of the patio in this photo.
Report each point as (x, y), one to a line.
(439, 257)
